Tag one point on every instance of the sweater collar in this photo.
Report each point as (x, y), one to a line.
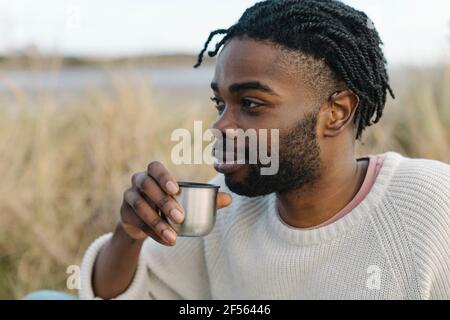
(336, 229)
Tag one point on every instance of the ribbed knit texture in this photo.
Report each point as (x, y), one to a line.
(399, 234)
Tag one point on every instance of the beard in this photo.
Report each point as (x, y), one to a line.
(299, 164)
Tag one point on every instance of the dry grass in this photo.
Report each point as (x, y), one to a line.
(417, 123)
(64, 168)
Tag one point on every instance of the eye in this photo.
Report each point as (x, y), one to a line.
(249, 104)
(218, 104)
(246, 104)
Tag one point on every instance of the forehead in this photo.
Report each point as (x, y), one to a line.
(249, 60)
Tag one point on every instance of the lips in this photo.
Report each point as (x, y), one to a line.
(227, 168)
(228, 162)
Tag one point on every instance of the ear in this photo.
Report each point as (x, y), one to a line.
(340, 110)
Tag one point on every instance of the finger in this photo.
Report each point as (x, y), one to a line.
(136, 227)
(168, 205)
(137, 181)
(149, 215)
(157, 171)
(223, 200)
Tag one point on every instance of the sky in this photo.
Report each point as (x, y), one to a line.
(413, 31)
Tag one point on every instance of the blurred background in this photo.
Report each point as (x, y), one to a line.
(90, 92)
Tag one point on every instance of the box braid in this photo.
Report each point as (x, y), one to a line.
(325, 30)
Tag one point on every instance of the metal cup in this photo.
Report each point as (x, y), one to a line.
(199, 203)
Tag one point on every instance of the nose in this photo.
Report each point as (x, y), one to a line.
(226, 121)
(225, 128)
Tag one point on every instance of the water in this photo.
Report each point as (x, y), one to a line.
(78, 79)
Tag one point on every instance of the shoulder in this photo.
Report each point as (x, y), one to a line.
(423, 182)
(419, 191)
(422, 169)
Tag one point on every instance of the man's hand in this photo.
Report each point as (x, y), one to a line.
(152, 190)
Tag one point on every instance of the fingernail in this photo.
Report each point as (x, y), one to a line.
(171, 187)
(169, 235)
(176, 215)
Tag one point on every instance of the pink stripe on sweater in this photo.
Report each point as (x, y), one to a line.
(375, 164)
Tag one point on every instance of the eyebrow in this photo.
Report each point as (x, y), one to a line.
(254, 85)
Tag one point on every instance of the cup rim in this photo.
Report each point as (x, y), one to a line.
(189, 184)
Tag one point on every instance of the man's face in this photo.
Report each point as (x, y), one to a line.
(283, 103)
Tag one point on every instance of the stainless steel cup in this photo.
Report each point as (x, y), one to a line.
(199, 203)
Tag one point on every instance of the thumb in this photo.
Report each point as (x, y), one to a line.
(223, 200)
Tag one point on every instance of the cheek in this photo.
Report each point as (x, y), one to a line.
(282, 118)
(290, 115)
(268, 120)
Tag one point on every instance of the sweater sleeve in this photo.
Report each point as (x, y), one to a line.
(137, 288)
(429, 227)
(169, 273)
(439, 257)
(434, 258)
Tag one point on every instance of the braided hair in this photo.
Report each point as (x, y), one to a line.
(325, 30)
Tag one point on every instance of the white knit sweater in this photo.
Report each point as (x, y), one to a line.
(394, 245)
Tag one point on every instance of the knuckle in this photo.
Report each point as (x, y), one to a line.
(139, 203)
(153, 165)
(146, 184)
(155, 222)
(134, 178)
(126, 194)
(162, 202)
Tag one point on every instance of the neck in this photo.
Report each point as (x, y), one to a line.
(311, 205)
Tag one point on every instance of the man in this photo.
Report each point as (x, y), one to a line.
(327, 225)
